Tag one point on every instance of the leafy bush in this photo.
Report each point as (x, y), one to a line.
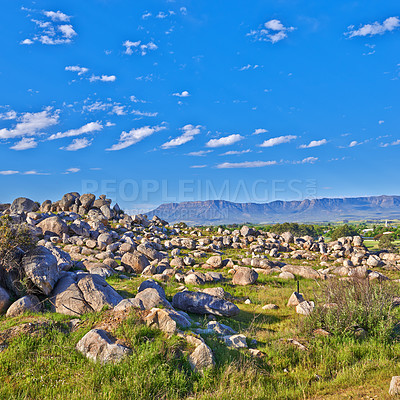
(295, 229)
(386, 242)
(344, 306)
(343, 231)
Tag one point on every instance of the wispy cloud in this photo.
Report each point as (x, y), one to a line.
(198, 166)
(24, 144)
(77, 144)
(249, 66)
(31, 124)
(247, 164)
(72, 170)
(200, 153)
(395, 143)
(9, 115)
(272, 31)
(189, 132)
(308, 160)
(134, 136)
(314, 143)
(88, 128)
(278, 140)
(57, 16)
(9, 172)
(235, 152)
(224, 141)
(185, 93)
(139, 47)
(77, 68)
(376, 28)
(103, 78)
(259, 131)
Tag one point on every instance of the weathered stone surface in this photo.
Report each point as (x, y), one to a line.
(53, 226)
(126, 304)
(215, 261)
(287, 237)
(244, 276)
(270, 307)
(203, 303)
(235, 341)
(167, 320)
(41, 268)
(87, 200)
(195, 278)
(394, 388)
(150, 283)
(151, 299)
(4, 300)
(305, 308)
(99, 345)
(220, 329)
(202, 358)
(295, 299)
(23, 204)
(303, 271)
(135, 261)
(150, 252)
(80, 228)
(26, 303)
(77, 294)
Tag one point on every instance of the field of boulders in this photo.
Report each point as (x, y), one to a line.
(225, 302)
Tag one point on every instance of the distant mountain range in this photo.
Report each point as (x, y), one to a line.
(310, 210)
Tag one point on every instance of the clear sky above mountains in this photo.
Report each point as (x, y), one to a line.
(158, 101)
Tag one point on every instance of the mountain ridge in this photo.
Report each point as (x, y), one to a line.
(307, 210)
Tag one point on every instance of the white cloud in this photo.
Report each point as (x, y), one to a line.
(144, 114)
(9, 172)
(134, 136)
(224, 141)
(34, 172)
(25, 144)
(31, 124)
(308, 160)
(381, 122)
(395, 143)
(138, 46)
(67, 31)
(354, 143)
(375, 28)
(77, 68)
(249, 66)
(273, 31)
(247, 164)
(88, 128)
(72, 170)
(200, 153)
(108, 123)
(8, 115)
(134, 99)
(146, 15)
(198, 166)
(235, 152)
(278, 140)
(189, 132)
(260, 130)
(27, 42)
(314, 143)
(57, 16)
(185, 93)
(183, 10)
(77, 144)
(103, 78)
(118, 110)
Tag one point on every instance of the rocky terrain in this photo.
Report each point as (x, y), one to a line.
(203, 286)
(309, 210)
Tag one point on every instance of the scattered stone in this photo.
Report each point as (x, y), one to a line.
(244, 276)
(394, 388)
(295, 299)
(24, 304)
(270, 307)
(305, 307)
(202, 358)
(235, 341)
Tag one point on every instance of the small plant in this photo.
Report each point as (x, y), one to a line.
(386, 242)
(343, 231)
(14, 239)
(345, 306)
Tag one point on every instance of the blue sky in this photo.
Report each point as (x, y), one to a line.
(157, 101)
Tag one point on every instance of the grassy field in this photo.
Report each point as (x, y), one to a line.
(45, 364)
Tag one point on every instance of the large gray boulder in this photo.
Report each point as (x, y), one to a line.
(244, 276)
(87, 200)
(23, 204)
(53, 226)
(99, 345)
(24, 304)
(151, 298)
(67, 201)
(167, 320)
(202, 358)
(303, 271)
(77, 294)
(150, 252)
(135, 261)
(41, 267)
(203, 303)
(150, 283)
(4, 300)
(80, 228)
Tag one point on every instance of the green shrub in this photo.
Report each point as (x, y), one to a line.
(354, 304)
(343, 231)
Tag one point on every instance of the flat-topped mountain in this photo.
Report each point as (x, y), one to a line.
(309, 210)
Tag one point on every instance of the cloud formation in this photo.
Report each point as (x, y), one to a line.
(278, 140)
(25, 144)
(139, 47)
(273, 31)
(77, 68)
(77, 144)
(134, 136)
(224, 141)
(88, 128)
(376, 28)
(314, 143)
(103, 78)
(189, 132)
(185, 93)
(247, 164)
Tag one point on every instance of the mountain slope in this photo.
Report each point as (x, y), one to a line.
(309, 210)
